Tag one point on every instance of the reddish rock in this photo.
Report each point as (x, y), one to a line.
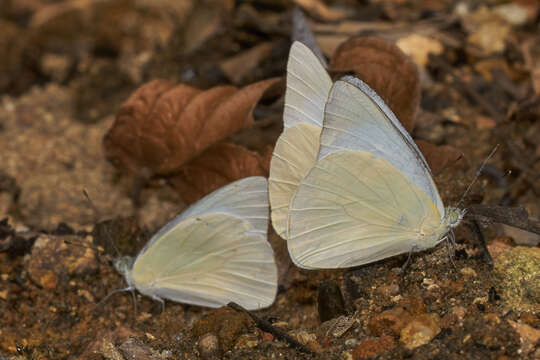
(54, 260)
(267, 337)
(389, 322)
(372, 347)
(413, 305)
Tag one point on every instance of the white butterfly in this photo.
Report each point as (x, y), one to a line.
(368, 194)
(295, 153)
(213, 253)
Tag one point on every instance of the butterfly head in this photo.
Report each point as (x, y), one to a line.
(123, 265)
(453, 216)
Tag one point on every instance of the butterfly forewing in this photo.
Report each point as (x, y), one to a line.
(354, 208)
(246, 198)
(357, 119)
(308, 85)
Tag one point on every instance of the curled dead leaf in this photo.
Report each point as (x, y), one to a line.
(216, 167)
(391, 73)
(161, 127)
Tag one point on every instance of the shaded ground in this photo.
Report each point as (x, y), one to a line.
(66, 73)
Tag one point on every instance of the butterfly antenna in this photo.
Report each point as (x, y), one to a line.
(450, 164)
(478, 173)
(97, 213)
(109, 295)
(116, 250)
(91, 204)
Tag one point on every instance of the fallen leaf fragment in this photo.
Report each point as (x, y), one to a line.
(204, 22)
(320, 11)
(487, 30)
(384, 67)
(216, 167)
(419, 47)
(161, 127)
(239, 66)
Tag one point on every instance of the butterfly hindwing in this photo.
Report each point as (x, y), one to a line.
(294, 155)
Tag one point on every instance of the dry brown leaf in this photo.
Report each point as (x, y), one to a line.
(439, 157)
(320, 11)
(161, 127)
(391, 73)
(216, 167)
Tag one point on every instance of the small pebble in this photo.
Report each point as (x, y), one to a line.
(247, 341)
(420, 330)
(209, 347)
(467, 271)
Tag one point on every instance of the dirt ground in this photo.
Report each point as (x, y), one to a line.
(81, 106)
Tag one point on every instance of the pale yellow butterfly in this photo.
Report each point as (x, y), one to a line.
(370, 194)
(213, 253)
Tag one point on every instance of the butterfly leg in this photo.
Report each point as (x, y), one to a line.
(157, 298)
(110, 294)
(408, 261)
(450, 239)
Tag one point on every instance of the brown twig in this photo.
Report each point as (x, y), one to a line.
(266, 326)
(475, 228)
(515, 217)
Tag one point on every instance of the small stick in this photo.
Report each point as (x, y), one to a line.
(515, 217)
(266, 326)
(475, 228)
